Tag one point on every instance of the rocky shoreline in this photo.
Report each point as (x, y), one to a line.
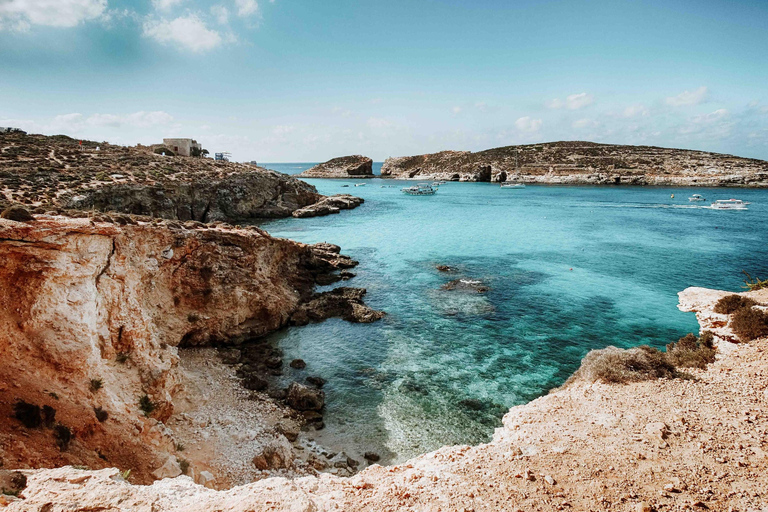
(64, 176)
(98, 312)
(583, 163)
(694, 443)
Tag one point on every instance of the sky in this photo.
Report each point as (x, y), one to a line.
(308, 80)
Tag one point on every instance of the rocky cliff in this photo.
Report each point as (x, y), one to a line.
(93, 314)
(584, 163)
(59, 173)
(355, 166)
(693, 443)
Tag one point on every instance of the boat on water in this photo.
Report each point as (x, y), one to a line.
(421, 189)
(696, 197)
(513, 185)
(360, 184)
(729, 204)
(344, 186)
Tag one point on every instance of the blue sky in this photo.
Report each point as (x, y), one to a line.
(307, 80)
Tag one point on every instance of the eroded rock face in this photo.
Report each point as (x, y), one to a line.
(90, 317)
(355, 166)
(583, 163)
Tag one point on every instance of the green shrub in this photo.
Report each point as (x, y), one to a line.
(732, 303)
(96, 384)
(749, 324)
(146, 405)
(63, 436)
(756, 283)
(184, 465)
(122, 357)
(101, 414)
(28, 414)
(692, 352)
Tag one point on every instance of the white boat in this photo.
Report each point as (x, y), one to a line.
(696, 197)
(359, 184)
(513, 185)
(729, 204)
(422, 189)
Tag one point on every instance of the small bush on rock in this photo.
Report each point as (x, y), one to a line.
(749, 324)
(63, 436)
(614, 365)
(146, 405)
(96, 384)
(732, 303)
(692, 352)
(28, 414)
(101, 414)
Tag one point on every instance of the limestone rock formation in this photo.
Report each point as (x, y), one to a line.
(346, 303)
(583, 163)
(329, 205)
(355, 166)
(91, 316)
(59, 173)
(669, 444)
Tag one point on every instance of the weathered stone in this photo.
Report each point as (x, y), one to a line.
(355, 166)
(304, 398)
(275, 454)
(17, 213)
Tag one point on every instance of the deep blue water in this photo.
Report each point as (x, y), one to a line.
(569, 269)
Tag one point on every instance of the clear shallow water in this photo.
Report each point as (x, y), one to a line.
(570, 269)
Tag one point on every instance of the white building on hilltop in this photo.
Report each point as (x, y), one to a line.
(183, 147)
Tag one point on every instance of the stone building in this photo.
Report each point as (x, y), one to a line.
(183, 147)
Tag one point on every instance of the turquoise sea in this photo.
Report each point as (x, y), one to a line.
(569, 269)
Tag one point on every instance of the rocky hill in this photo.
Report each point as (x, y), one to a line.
(584, 163)
(60, 173)
(355, 166)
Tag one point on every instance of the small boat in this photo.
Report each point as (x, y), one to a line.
(422, 189)
(513, 185)
(696, 197)
(344, 186)
(359, 184)
(729, 204)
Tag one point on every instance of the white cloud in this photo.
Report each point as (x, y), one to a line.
(711, 117)
(584, 123)
(456, 110)
(572, 102)
(188, 32)
(246, 7)
(21, 14)
(377, 122)
(636, 111)
(688, 97)
(221, 13)
(527, 124)
(165, 5)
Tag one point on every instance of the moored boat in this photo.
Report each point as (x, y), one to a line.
(513, 185)
(696, 197)
(422, 189)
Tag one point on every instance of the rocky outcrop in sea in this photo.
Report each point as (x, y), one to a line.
(584, 163)
(355, 166)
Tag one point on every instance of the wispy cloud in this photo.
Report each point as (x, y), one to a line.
(572, 102)
(686, 98)
(188, 32)
(246, 7)
(22, 14)
(165, 5)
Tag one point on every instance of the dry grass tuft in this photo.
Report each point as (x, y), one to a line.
(692, 352)
(749, 324)
(614, 365)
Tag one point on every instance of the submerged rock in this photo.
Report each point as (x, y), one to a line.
(466, 285)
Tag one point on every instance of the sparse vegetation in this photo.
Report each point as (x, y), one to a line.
(101, 414)
(53, 395)
(732, 303)
(146, 405)
(184, 465)
(63, 436)
(125, 475)
(749, 324)
(28, 414)
(179, 447)
(96, 384)
(756, 283)
(692, 352)
(122, 357)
